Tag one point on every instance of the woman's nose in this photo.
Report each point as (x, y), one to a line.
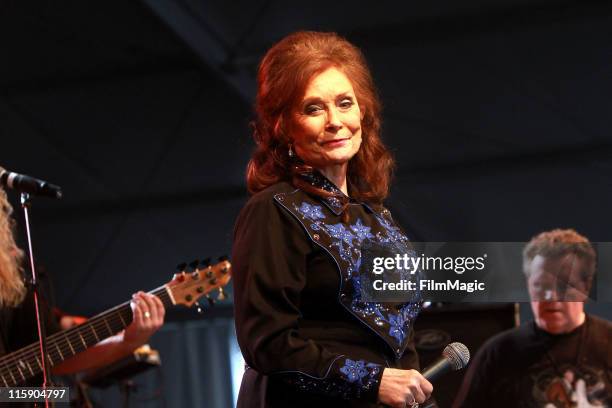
(333, 119)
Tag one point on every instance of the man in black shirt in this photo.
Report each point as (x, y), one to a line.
(563, 359)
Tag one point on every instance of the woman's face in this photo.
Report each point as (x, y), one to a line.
(326, 125)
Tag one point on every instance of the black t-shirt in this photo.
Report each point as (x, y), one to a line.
(528, 367)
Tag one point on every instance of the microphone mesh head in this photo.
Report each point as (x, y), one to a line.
(457, 354)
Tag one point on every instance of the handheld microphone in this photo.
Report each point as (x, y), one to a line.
(454, 357)
(27, 184)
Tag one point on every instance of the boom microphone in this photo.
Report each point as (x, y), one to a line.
(27, 184)
(454, 357)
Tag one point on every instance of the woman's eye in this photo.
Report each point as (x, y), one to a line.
(346, 103)
(310, 109)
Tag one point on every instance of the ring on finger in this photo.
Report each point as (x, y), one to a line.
(411, 402)
(147, 314)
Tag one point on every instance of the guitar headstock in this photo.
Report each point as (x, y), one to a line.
(187, 287)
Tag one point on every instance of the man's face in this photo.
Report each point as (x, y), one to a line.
(557, 293)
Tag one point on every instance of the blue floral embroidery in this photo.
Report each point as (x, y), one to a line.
(357, 378)
(343, 237)
(362, 231)
(396, 326)
(312, 212)
(399, 323)
(339, 231)
(335, 203)
(393, 232)
(354, 370)
(347, 241)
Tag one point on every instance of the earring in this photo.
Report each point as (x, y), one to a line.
(290, 150)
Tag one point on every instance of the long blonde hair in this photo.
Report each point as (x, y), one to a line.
(12, 288)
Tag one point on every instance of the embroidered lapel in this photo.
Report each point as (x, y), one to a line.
(342, 241)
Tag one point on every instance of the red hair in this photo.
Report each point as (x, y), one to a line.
(284, 73)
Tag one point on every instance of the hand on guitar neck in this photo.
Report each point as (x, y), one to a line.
(147, 317)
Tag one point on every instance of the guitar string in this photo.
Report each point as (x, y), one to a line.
(72, 335)
(31, 352)
(17, 368)
(112, 318)
(60, 338)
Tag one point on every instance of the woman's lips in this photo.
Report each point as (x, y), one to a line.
(335, 143)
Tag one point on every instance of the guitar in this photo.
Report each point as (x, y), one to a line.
(185, 288)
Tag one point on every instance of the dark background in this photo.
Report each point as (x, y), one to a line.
(498, 114)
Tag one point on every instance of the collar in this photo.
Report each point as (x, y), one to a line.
(338, 201)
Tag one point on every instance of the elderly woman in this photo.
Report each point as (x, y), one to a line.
(318, 176)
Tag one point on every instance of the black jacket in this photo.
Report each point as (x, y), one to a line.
(306, 335)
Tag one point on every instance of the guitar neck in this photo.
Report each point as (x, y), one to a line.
(24, 364)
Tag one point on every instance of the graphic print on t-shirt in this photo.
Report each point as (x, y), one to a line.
(582, 387)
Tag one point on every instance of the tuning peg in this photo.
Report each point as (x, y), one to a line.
(211, 301)
(221, 295)
(223, 258)
(194, 264)
(181, 267)
(198, 307)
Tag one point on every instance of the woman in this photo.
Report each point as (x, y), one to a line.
(318, 177)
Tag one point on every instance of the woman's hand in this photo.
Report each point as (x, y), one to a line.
(148, 316)
(403, 388)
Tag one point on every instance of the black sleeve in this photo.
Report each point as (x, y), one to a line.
(24, 328)
(269, 263)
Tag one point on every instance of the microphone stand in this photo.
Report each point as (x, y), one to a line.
(42, 332)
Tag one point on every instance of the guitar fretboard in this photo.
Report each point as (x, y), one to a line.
(17, 367)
